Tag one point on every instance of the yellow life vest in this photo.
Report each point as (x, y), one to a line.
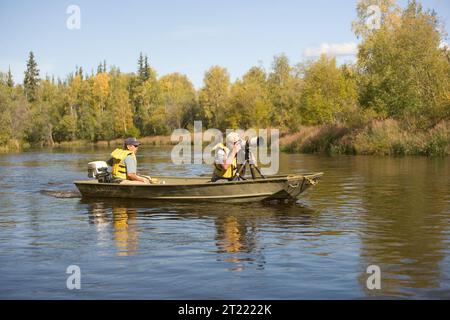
(219, 171)
(119, 169)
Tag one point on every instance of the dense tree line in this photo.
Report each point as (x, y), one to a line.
(402, 72)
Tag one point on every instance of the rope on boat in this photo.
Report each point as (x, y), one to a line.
(310, 181)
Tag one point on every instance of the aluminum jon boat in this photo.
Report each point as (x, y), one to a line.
(282, 187)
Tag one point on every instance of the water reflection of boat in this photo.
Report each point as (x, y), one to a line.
(237, 244)
(236, 237)
(174, 188)
(125, 235)
(123, 219)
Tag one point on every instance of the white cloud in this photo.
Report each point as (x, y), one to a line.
(332, 49)
(444, 45)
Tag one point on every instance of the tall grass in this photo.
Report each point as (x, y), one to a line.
(378, 137)
(316, 139)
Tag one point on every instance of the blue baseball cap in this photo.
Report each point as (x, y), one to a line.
(131, 141)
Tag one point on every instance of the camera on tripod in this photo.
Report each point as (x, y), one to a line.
(249, 159)
(252, 142)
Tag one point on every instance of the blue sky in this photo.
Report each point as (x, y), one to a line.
(183, 36)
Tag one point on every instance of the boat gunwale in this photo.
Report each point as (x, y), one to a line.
(281, 178)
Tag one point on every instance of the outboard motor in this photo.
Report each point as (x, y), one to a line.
(99, 170)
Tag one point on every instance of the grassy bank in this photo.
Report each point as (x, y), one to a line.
(13, 145)
(386, 137)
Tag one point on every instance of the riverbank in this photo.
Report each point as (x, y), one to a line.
(15, 145)
(151, 140)
(379, 137)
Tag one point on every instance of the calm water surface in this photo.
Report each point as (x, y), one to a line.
(390, 212)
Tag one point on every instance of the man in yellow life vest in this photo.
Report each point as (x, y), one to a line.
(124, 164)
(225, 163)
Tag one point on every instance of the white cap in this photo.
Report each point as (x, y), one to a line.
(233, 137)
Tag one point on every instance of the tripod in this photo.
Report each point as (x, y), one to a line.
(247, 163)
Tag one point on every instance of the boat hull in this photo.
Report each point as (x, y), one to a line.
(200, 189)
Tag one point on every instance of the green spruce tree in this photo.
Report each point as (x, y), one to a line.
(9, 79)
(146, 71)
(140, 63)
(31, 80)
(99, 68)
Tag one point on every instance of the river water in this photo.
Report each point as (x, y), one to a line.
(390, 212)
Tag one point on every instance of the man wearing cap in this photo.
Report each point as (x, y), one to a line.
(225, 163)
(124, 163)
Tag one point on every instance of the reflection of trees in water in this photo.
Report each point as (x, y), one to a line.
(405, 223)
(398, 206)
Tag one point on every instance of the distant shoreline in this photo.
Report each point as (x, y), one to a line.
(381, 137)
